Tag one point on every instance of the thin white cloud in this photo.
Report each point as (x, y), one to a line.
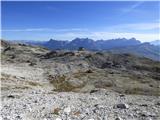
(24, 30)
(125, 27)
(141, 31)
(136, 26)
(96, 35)
(71, 29)
(133, 7)
(44, 29)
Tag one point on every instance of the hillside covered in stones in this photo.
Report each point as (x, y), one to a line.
(39, 84)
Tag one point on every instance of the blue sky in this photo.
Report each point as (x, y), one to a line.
(67, 20)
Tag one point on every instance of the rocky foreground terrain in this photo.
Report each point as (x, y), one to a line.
(38, 84)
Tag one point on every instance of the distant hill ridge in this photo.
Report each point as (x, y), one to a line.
(120, 45)
(145, 50)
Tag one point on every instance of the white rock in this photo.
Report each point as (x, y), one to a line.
(67, 110)
(58, 119)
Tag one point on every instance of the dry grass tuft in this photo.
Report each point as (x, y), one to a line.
(56, 111)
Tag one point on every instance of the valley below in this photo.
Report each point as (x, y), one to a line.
(40, 84)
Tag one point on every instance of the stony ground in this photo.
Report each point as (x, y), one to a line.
(101, 105)
(40, 85)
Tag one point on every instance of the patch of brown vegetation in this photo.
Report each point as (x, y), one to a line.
(62, 84)
(77, 113)
(56, 111)
(33, 83)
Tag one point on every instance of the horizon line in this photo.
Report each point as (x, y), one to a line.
(79, 38)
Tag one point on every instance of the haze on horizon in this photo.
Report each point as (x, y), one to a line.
(67, 20)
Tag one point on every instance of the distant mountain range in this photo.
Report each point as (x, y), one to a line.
(121, 45)
(156, 42)
(87, 43)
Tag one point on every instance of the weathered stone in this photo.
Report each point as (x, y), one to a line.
(122, 106)
(11, 96)
(118, 118)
